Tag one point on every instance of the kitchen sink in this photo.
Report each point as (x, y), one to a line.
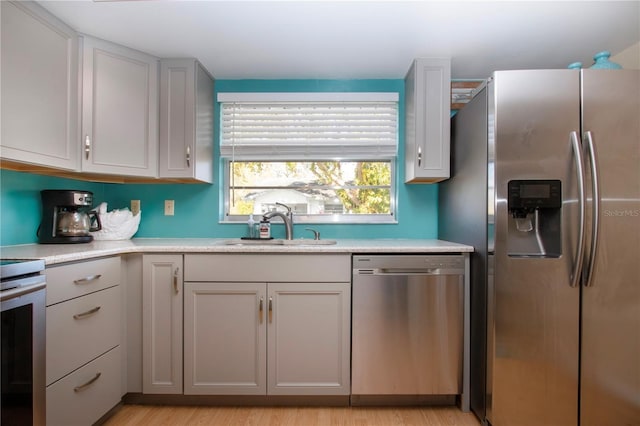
(279, 242)
(305, 242)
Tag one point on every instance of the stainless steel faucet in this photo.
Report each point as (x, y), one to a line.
(287, 218)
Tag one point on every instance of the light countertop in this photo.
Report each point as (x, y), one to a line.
(60, 253)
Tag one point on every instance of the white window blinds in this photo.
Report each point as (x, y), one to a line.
(314, 126)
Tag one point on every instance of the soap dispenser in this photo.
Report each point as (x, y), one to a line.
(252, 227)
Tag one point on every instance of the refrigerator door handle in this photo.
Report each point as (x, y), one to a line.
(579, 258)
(595, 222)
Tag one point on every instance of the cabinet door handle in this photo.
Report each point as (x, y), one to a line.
(175, 280)
(270, 309)
(86, 314)
(260, 310)
(87, 280)
(87, 146)
(188, 156)
(419, 156)
(89, 383)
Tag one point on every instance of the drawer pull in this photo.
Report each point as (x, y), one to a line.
(87, 314)
(88, 279)
(86, 385)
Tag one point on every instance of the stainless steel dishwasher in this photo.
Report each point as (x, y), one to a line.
(407, 325)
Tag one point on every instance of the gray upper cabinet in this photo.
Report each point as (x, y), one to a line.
(427, 113)
(39, 88)
(186, 121)
(119, 110)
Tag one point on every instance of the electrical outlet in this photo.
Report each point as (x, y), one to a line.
(135, 207)
(168, 207)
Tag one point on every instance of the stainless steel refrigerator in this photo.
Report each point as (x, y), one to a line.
(546, 186)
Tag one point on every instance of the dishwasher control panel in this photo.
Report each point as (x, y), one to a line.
(409, 264)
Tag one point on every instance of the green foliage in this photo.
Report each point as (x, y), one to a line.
(362, 187)
(243, 207)
(372, 200)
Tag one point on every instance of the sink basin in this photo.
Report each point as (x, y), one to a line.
(279, 242)
(241, 242)
(304, 242)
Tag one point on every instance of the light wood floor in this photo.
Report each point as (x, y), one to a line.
(291, 416)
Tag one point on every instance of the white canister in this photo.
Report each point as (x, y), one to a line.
(265, 229)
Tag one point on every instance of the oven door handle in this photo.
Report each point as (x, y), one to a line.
(22, 290)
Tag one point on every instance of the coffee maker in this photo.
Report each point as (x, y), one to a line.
(65, 217)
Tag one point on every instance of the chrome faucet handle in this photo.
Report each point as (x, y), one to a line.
(316, 234)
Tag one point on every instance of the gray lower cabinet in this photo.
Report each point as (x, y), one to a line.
(309, 339)
(267, 324)
(246, 324)
(119, 110)
(83, 397)
(186, 121)
(267, 338)
(39, 88)
(84, 335)
(162, 290)
(427, 120)
(225, 338)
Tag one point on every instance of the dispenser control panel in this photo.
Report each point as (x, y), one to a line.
(536, 212)
(534, 194)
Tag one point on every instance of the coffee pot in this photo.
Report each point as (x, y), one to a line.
(76, 223)
(66, 217)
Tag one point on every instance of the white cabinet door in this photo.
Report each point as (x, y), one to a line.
(427, 115)
(39, 88)
(225, 338)
(162, 324)
(309, 339)
(119, 110)
(186, 121)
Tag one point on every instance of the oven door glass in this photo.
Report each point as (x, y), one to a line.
(17, 366)
(22, 353)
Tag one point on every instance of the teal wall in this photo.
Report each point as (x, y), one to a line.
(197, 209)
(20, 203)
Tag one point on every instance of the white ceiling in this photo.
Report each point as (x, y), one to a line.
(359, 39)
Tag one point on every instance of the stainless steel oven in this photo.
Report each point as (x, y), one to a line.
(23, 333)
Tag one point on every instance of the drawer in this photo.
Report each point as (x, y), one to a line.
(78, 399)
(81, 329)
(268, 267)
(73, 280)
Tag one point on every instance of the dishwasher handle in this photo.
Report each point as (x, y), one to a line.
(409, 271)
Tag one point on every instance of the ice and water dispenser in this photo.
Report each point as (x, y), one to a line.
(535, 218)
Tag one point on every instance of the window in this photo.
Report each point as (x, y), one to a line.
(328, 156)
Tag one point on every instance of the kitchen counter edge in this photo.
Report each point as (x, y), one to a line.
(61, 253)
